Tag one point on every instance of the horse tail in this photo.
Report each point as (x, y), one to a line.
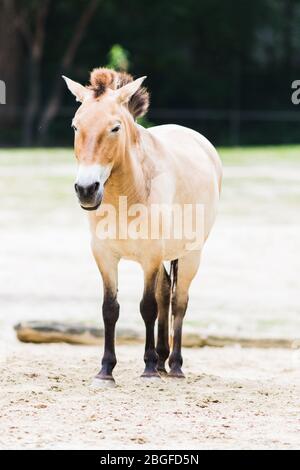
(173, 274)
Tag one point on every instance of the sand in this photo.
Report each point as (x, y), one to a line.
(231, 398)
(248, 285)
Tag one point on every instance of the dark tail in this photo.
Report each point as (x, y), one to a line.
(173, 274)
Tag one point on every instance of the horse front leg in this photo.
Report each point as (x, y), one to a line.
(108, 266)
(148, 308)
(110, 312)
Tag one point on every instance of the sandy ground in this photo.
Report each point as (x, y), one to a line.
(231, 398)
(248, 285)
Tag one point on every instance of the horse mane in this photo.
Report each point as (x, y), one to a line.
(103, 78)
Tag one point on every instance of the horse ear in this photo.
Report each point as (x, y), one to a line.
(127, 91)
(78, 90)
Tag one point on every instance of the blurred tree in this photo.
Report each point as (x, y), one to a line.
(52, 106)
(10, 61)
(30, 20)
(118, 58)
(223, 56)
(27, 20)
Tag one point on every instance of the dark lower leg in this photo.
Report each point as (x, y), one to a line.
(110, 310)
(148, 308)
(175, 359)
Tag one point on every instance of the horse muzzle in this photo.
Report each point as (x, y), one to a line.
(89, 196)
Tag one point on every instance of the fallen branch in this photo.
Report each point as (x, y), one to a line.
(53, 332)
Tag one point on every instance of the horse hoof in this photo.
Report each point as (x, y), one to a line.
(162, 371)
(151, 375)
(176, 374)
(99, 382)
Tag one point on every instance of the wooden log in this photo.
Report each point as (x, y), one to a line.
(54, 332)
(195, 340)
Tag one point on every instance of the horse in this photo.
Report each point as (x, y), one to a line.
(168, 165)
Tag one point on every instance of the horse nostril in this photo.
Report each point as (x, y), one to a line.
(76, 187)
(96, 186)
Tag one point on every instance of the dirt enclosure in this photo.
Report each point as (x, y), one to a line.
(248, 286)
(231, 398)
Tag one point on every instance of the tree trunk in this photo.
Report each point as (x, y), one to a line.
(54, 102)
(10, 63)
(33, 102)
(288, 21)
(35, 43)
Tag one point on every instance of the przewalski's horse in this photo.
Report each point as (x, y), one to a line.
(166, 165)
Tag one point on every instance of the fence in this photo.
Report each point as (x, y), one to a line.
(223, 127)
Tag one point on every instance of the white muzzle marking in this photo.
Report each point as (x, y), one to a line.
(90, 174)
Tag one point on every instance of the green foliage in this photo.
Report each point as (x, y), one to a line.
(118, 58)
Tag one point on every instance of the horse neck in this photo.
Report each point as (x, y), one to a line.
(130, 177)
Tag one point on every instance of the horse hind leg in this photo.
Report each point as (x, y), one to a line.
(186, 271)
(163, 298)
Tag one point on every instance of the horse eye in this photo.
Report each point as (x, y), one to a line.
(116, 128)
(74, 127)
